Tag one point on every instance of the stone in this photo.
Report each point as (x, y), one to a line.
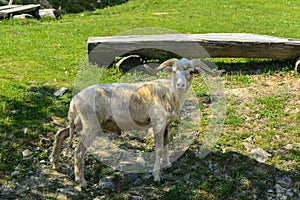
(23, 16)
(259, 154)
(26, 153)
(106, 183)
(285, 182)
(15, 174)
(60, 92)
(136, 198)
(288, 146)
(270, 191)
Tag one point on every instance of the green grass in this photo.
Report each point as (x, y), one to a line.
(39, 57)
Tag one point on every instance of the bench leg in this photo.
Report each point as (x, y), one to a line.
(297, 67)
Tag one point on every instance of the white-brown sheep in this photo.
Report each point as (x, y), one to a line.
(121, 107)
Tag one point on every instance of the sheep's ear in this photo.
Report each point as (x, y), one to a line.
(201, 67)
(168, 69)
(197, 70)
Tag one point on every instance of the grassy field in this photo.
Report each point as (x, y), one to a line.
(263, 101)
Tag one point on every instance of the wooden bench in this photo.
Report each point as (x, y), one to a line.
(11, 10)
(103, 50)
(9, 7)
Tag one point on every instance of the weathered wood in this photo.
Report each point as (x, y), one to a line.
(103, 50)
(8, 7)
(30, 9)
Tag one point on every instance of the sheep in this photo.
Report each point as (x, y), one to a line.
(149, 105)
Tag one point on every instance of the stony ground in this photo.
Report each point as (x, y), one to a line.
(257, 156)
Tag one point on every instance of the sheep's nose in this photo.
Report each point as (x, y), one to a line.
(180, 86)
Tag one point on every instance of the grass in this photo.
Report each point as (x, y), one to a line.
(39, 57)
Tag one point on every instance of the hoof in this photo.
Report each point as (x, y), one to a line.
(157, 176)
(82, 182)
(166, 165)
(55, 166)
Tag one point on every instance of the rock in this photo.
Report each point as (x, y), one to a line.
(106, 183)
(15, 174)
(26, 153)
(42, 161)
(130, 177)
(259, 154)
(291, 194)
(248, 146)
(270, 191)
(285, 182)
(100, 197)
(147, 175)
(49, 13)
(60, 92)
(136, 198)
(23, 16)
(288, 146)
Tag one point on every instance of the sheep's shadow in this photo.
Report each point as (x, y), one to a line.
(231, 175)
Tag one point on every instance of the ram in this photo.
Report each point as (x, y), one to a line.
(121, 107)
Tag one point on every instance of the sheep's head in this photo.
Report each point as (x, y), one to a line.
(182, 71)
(182, 74)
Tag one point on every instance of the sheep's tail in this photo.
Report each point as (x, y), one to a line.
(71, 117)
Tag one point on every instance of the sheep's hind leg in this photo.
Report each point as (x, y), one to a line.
(78, 164)
(60, 136)
(87, 137)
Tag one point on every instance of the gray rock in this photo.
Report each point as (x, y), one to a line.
(136, 198)
(60, 92)
(23, 16)
(259, 154)
(106, 183)
(15, 174)
(270, 191)
(26, 153)
(130, 177)
(285, 182)
(288, 146)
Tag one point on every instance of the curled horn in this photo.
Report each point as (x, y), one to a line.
(167, 63)
(201, 67)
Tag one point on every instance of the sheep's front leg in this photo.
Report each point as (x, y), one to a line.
(158, 138)
(166, 160)
(78, 164)
(158, 118)
(60, 136)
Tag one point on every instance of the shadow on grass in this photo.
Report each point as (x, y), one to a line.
(233, 176)
(25, 123)
(255, 66)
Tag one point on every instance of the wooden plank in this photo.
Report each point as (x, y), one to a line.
(9, 7)
(30, 8)
(103, 50)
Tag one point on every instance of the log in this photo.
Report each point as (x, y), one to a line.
(103, 50)
(26, 9)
